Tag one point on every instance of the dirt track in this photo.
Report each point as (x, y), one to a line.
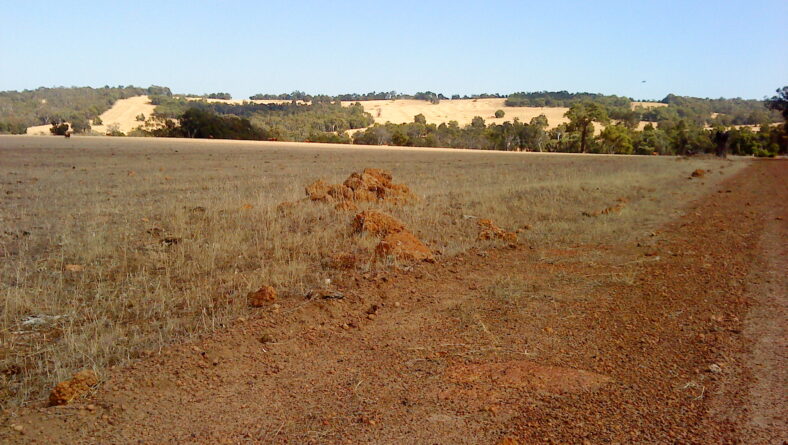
(599, 344)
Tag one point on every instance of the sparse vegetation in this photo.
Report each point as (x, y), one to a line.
(111, 281)
(22, 109)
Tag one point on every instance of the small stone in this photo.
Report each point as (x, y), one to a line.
(396, 304)
(91, 407)
(18, 428)
(715, 368)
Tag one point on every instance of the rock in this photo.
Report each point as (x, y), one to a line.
(68, 390)
(266, 338)
(715, 368)
(262, 297)
(698, 173)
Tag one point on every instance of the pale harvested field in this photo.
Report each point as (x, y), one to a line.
(648, 105)
(123, 114)
(106, 204)
(462, 110)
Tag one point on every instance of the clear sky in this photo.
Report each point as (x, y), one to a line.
(696, 48)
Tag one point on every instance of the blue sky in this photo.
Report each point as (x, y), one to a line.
(697, 48)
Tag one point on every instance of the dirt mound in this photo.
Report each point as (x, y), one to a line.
(377, 223)
(698, 173)
(396, 240)
(68, 390)
(370, 185)
(261, 297)
(488, 231)
(404, 246)
(529, 375)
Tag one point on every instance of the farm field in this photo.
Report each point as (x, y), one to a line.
(597, 318)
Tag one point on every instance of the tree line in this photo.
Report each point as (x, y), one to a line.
(674, 134)
(289, 121)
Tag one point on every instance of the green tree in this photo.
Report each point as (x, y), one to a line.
(499, 114)
(616, 139)
(581, 116)
(420, 119)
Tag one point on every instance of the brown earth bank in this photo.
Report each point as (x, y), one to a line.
(598, 343)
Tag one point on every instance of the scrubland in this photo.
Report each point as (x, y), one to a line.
(121, 246)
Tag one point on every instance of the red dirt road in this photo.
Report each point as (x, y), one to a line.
(680, 339)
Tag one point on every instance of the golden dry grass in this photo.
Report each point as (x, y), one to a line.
(123, 114)
(105, 204)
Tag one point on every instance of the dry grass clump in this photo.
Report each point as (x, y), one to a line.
(98, 266)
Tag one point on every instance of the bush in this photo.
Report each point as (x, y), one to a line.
(499, 114)
(97, 121)
(59, 129)
(140, 117)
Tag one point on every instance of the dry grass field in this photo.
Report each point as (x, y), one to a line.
(114, 247)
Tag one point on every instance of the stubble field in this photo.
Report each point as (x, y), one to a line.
(117, 247)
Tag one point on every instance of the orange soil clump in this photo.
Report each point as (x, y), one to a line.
(371, 185)
(404, 246)
(377, 223)
(529, 375)
(698, 173)
(396, 240)
(68, 390)
(488, 230)
(261, 297)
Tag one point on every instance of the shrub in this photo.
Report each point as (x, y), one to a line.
(499, 114)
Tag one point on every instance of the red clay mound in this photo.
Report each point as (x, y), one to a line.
(698, 173)
(396, 241)
(261, 297)
(529, 375)
(404, 246)
(68, 390)
(371, 185)
(488, 230)
(377, 223)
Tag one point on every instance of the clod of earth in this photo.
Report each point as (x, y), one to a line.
(68, 390)
(405, 246)
(377, 223)
(396, 241)
(488, 231)
(371, 185)
(261, 297)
